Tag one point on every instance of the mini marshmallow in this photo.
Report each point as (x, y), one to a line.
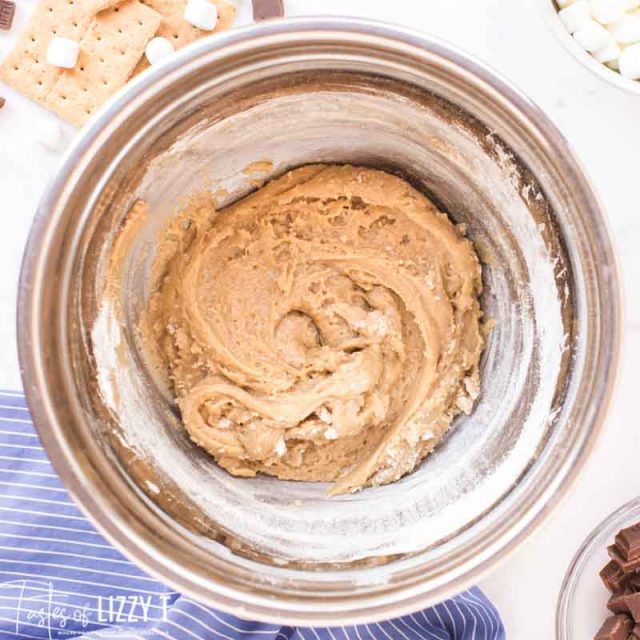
(608, 53)
(576, 16)
(281, 447)
(592, 36)
(201, 14)
(627, 29)
(607, 11)
(630, 62)
(158, 49)
(63, 52)
(49, 135)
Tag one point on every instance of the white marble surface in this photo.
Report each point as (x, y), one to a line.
(603, 125)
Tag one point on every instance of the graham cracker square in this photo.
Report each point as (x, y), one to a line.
(112, 35)
(177, 30)
(109, 52)
(25, 68)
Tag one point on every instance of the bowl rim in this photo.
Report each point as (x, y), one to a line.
(600, 69)
(597, 539)
(112, 522)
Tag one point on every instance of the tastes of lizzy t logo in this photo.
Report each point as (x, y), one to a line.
(42, 611)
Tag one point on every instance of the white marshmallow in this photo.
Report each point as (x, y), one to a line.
(63, 52)
(607, 11)
(592, 36)
(576, 16)
(627, 29)
(610, 51)
(49, 135)
(281, 446)
(158, 49)
(630, 62)
(201, 14)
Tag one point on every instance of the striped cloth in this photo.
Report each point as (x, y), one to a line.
(59, 578)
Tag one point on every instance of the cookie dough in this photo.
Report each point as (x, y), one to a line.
(324, 328)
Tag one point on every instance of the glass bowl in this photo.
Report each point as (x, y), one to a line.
(582, 605)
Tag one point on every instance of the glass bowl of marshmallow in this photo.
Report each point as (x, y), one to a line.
(604, 35)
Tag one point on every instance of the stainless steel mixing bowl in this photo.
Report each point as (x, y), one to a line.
(294, 92)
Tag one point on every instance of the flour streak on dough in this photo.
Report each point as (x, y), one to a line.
(325, 328)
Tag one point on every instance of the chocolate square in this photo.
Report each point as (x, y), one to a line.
(7, 11)
(266, 9)
(614, 578)
(617, 602)
(627, 565)
(632, 602)
(615, 628)
(628, 541)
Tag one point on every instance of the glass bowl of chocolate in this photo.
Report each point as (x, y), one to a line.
(600, 596)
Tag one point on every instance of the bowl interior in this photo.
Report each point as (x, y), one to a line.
(336, 117)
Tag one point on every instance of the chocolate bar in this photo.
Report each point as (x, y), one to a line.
(617, 602)
(265, 9)
(627, 565)
(634, 582)
(7, 11)
(613, 577)
(615, 627)
(621, 575)
(628, 541)
(632, 601)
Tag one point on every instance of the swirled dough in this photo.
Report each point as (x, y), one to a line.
(324, 328)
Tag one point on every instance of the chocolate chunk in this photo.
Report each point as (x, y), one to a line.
(617, 602)
(7, 11)
(265, 9)
(627, 566)
(634, 582)
(614, 578)
(628, 541)
(615, 628)
(633, 605)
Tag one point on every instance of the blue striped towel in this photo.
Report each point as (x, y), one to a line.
(59, 578)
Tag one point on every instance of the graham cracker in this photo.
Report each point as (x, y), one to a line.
(26, 68)
(112, 35)
(176, 29)
(109, 52)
